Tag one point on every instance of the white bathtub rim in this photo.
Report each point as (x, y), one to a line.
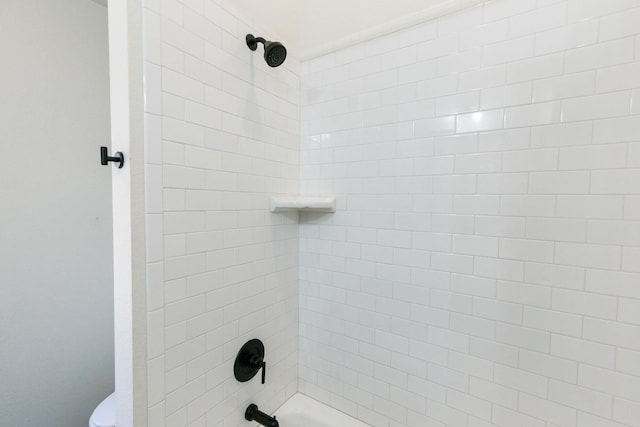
(301, 405)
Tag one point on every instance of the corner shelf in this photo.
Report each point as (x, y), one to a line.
(303, 203)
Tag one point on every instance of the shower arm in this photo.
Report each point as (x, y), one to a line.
(252, 42)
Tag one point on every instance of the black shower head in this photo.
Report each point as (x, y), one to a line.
(274, 52)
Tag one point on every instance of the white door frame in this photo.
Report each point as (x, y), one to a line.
(127, 136)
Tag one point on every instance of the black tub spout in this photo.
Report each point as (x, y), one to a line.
(254, 414)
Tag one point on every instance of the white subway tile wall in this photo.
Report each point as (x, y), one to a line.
(483, 266)
(222, 136)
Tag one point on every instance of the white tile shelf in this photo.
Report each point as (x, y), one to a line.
(303, 203)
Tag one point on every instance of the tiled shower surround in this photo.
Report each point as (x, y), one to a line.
(222, 135)
(483, 266)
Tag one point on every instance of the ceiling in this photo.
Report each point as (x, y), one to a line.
(306, 25)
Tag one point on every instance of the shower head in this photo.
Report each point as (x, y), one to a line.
(274, 52)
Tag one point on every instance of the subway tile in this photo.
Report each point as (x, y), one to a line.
(497, 310)
(625, 411)
(471, 405)
(500, 226)
(559, 135)
(631, 259)
(559, 182)
(504, 396)
(614, 232)
(177, 36)
(441, 86)
(549, 366)
(584, 303)
(476, 204)
(622, 129)
(555, 275)
(564, 86)
(613, 283)
(538, 20)
(520, 380)
(628, 310)
(593, 157)
(581, 10)
(613, 333)
(582, 350)
(459, 62)
(556, 229)
(548, 410)
(417, 34)
(508, 51)
(595, 107)
(499, 269)
(567, 37)
(615, 383)
(492, 350)
(529, 160)
(455, 22)
(620, 77)
(619, 25)
(478, 163)
(626, 361)
(590, 206)
(504, 9)
(504, 140)
(452, 263)
(481, 79)
(635, 98)
(528, 205)
(599, 55)
(448, 377)
(472, 285)
(416, 72)
(456, 224)
(535, 68)
(435, 127)
(484, 34)
(522, 337)
(579, 398)
(523, 293)
(473, 326)
(526, 250)
(451, 340)
(445, 414)
(454, 144)
(505, 96)
(480, 121)
(553, 321)
(624, 181)
(593, 256)
(633, 156)
(459, 103)
(533, 115)
(589, 419)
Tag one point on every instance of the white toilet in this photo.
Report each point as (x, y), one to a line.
(105, 413)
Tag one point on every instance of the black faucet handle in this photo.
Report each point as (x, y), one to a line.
(249, 361)
(258, 363)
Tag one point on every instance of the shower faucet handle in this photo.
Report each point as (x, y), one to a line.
(258, 363)
(249, 361)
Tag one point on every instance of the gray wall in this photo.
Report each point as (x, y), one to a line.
(56, 296)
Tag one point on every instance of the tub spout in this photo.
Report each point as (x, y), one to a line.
(254, 414)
